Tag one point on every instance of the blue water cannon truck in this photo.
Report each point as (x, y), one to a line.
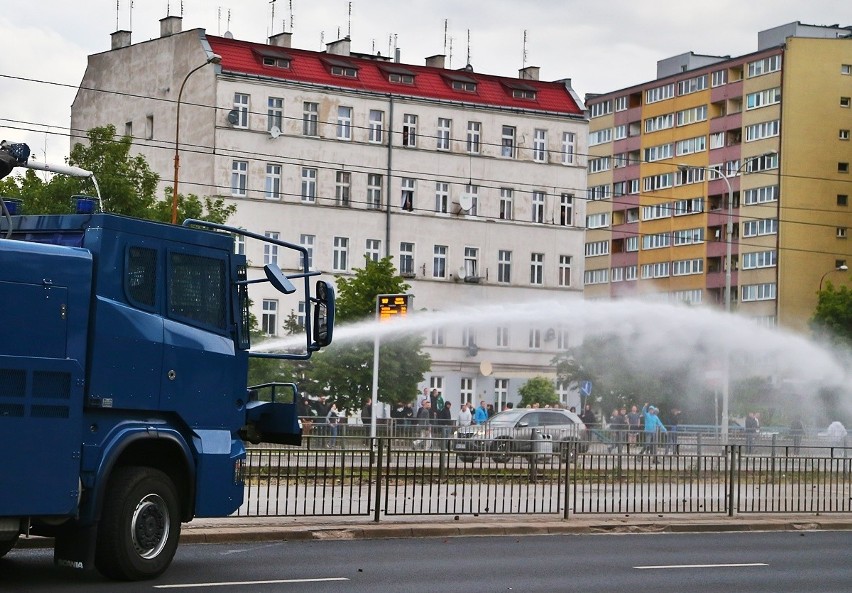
(124, 352)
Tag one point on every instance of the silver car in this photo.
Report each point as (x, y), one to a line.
(511, 433)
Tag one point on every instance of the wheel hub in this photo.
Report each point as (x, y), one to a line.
(150, 526)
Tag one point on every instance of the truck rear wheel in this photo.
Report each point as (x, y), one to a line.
(7, 545)
(140, 525)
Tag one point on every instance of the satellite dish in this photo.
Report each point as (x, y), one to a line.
(485, 368)
(465, 202)
(274, 132)
(233, 117)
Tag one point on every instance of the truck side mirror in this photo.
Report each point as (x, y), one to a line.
(323, 314)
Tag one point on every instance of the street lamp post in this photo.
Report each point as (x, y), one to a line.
(840, 268)
(212, 59)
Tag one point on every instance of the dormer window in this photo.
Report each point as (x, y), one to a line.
(342, 68)
(344, 71)
(397, 74)
(276, 62)
(460, 82)
(520, 90)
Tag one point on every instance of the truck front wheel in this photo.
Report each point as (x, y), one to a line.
(140, 525)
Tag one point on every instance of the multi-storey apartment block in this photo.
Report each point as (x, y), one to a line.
(726, 173)
(472, 183)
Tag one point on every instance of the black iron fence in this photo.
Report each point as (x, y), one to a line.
(418, 473)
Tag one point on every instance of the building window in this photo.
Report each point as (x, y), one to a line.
(759, 259)
(308, 242)
(845, 102)
(409, 130)
(274, 113)
(692, 85)
(842, 232)
(599, 109)
(340, 260)
(763, 98)
(537, 268)
(273, 182)
(407, 198)
(660, 122)
(504, 266)
(439, 261)
(342, 187)
(566, 210)
(595, 277)
(406, 259)
(717, 140)
(469, 337)
(310, 119)
(502, 337)
(687, 267)
(564, 279)
(473, 192)
(442, 197)
(540, 146)
(507, 197)
(372, 249)
(269, 319)
(508, 142)
(842, 167)
(600, 136)
(374, 191)
(535, 339)
(241, 106)
(270, 250)
(501, 389)
(764, 66)
(239, 178)
(760, 195)
(842, 200)
(240, 244)
(377, 122)
(309, 185)
(538, 204)
(764, 226)
(438, 336)
(300, 314)
(719, 78)
(444, 126)
(597, 221)
(474, 133)
(599, 164)
(344, 123)
(766, 129)
(843, 135)
(471, 262)
(846, 69)
(568, 148)
(660, 93)
(128, 128)
(758, 292)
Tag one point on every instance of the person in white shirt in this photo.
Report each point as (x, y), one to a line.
(465, 417)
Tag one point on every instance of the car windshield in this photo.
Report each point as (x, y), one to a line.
(507, 418)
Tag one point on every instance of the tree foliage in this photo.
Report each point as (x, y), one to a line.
(832, 318)
(538, 390)
(127, 184)
(344, 370)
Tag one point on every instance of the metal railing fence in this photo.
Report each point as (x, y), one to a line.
(419, 474)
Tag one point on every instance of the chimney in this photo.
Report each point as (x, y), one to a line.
(397, 55)
(120, 39)
(339, 47)
(436, 61)
(171, 25)
(281, 39)
(529, 73)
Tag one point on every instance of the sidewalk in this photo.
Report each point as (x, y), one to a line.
(267, 529)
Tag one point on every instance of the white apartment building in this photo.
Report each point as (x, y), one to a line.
(473, 183)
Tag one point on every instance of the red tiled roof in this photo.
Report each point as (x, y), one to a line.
(244, 57)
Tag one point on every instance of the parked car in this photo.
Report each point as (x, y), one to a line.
(510, 433)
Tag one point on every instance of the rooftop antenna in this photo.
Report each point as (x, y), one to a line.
(131, 15)
(524, 58)
(181, 7)
(229, 19)
(291, 16)
(117, 8)
(349, 25)
(446, 22)
(322, 39)
(390, 45)
(468, 47)
(272, 18)
(338, 32)
(219, 21)
(451, 53)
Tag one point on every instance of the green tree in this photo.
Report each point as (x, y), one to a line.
(832, 318)
(344, 370)
(538, 390)
(127, 184)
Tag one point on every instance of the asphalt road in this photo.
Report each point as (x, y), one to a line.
(777, 562)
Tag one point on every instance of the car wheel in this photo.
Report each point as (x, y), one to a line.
(501, 450)
(467, 458)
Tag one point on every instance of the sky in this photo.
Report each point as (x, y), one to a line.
(601, 46)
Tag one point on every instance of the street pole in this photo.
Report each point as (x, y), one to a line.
(212, 59)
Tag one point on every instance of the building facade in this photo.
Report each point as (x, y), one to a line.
(472, 183)
(726, 175)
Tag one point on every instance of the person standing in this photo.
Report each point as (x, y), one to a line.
(653, 429)
(797, 430)
(423, 420)
(618, 431)
(481, 414)
(673, 423)
(634, 426)
(445, 420)
(332, 418)
(465, 417)
(434, 408)
(752, 427)
(367, 413)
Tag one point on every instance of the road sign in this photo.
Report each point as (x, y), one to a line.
(586, 388)
(389, 306)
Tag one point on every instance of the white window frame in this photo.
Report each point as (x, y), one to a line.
(344, 123)
(342, 188)
(444, 131)
(241, 106)
(310, 118)
(569, 146)
(309, 185)
(272, 183)
(373, 249)
(374, 191)
(504, 266)
(540, 145)
(376, 126)
(474, 137)
(308, 242)
(239, 179)
(340, 255)
(409, 130)
(507, 203)
(274, 113)
(539, 203)
(442, 197)
(508, 142)
(439, 261)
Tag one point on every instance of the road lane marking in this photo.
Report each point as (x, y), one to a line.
(246, 583)
(671, 566)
